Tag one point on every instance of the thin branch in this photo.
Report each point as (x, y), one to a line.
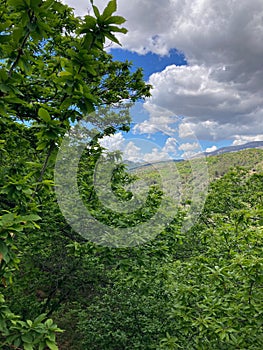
(20, 49)
(44, 167)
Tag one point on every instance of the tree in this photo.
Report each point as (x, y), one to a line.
(199, 289)
(54, 71)
(216, 293)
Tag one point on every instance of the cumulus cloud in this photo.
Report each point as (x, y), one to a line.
(217, 105)
(140, 150)
(205, 30)
(189, 146)
(240, 140)
(220, 92)
(211, 149)
(147, 22)
(161, 120)
(113, 143)
(156, 155)
(171, 146)
(194, 92)
(132, 153)
(154, 125)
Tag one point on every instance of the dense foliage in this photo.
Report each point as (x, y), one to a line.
(200, 289)
(54, 70)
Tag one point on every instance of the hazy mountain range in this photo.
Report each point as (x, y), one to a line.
(254, 144)
(229, 149)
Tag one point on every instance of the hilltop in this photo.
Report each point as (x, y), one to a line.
(230, 149)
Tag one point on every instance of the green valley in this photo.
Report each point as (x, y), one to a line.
(195, 286)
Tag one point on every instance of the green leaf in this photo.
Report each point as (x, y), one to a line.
(41, 346)
(44, 114)
(90, 22)
(42, 145)
(3, 75)
(86, 106)
(40, 318)
(7, 218)
(34, 164)
(4, 88)
(4, 251)
(96, 11)
(110, 8)
(49, 322)
(112, 38)
(64, 74)
(13, 99)
(51, 345)
(29, 322)
(4, 39)
(117, 29)
(48, 3)
(34, 4)
(17, 343)
(115, 20)
(28, 346)
(91, 70)
(31, 217)
(88, 40)
(19, 4)
(27, 338)
(25, 65)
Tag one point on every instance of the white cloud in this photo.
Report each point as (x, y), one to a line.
(189, 146)
(161, 120)
(205, 30)
(220, 92)
(154, 125)
(190, 149)
(211, 149)
(113, 143)
(147, 21)
(214, 108)
(240, 140)
(132, 153)
(156, 155)
(171, 146)
(139, 150)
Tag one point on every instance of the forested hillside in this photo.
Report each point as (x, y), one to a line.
(194, 289)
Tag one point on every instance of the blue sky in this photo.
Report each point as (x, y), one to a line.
(154, 63)
(204, 61)
(150, 62)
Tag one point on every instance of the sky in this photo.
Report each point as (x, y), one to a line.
(204, 59)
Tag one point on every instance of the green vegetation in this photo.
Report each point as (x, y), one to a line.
(215, 166)
(54, 71)
(250, 159)
(199, 289)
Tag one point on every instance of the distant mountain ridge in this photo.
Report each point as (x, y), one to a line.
(229, 149)
(253, 144)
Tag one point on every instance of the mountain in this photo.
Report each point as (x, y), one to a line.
(219, 161)
(254, 144)
(133, 165)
